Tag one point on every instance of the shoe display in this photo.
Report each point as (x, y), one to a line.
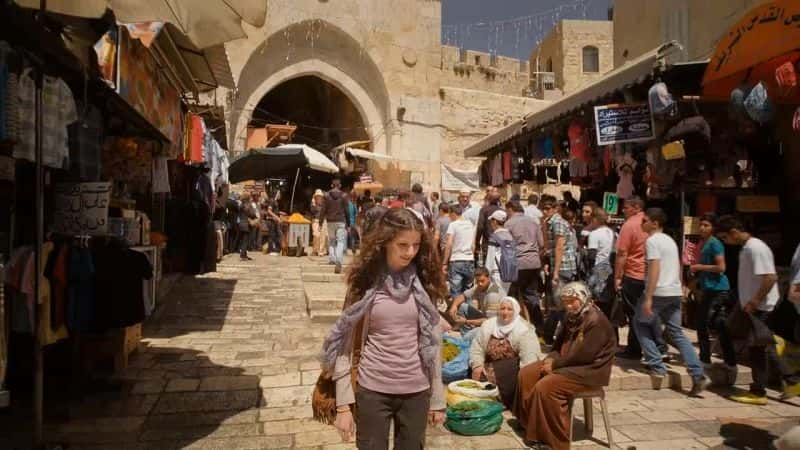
(749, 398)
(698, 385)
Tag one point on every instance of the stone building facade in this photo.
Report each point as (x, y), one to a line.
(418, 101)
(574, 53)
(642, 25)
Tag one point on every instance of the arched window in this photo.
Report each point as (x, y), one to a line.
(549, 65)
(591, 59)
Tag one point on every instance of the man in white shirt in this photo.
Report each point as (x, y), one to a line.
(532, 210)
(459, 260)
(601, 243)
(758, 295)
(469, 210)
(663, 296)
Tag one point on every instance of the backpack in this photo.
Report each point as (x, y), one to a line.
(507, 264)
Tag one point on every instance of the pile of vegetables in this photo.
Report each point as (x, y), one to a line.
(449, 351)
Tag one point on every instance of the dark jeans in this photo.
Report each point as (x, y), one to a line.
(632, 294)
(712, 314)
(375, 412)
(274, 237)
(244, 242)
(761, 357)
(526, 288)
(460, 275)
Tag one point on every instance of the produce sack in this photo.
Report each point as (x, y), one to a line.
(476, 418)
(455, 366)
(475, 389)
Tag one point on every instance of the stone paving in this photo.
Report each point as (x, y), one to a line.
(228, 362)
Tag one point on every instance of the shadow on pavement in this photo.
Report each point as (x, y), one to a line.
(752, 433)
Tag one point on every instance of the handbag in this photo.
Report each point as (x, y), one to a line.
(747, 327)
(785, 321)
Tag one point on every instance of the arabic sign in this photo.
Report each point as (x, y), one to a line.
(623, 123)
(456, 180)
(766, 32)
(82, 208)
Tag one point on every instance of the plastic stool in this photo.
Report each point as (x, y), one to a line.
(588, 415)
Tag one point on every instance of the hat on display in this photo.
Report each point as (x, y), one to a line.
(757, 104)
(661, 101)
(319, 193)
(499, 216)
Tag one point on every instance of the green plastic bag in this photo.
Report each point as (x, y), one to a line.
(476, 418)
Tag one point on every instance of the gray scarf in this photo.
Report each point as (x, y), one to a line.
(400, 285)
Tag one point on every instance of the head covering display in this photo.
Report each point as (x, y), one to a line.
(503, 329)
(661, 101)
(757, 104)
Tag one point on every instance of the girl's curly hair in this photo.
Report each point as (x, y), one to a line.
(370, 264)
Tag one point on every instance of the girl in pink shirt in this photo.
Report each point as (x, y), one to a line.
(384, 352)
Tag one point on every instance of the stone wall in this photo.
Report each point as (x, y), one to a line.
(479, 71)
(470, 115)
(642, 25)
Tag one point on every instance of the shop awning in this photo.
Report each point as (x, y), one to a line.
(629, 74)
(366, 154)
(198, 70)
(207, 22)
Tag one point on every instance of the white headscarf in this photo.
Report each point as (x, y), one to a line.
(502, 330)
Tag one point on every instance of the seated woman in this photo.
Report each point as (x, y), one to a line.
(502, 346)
(581, 360)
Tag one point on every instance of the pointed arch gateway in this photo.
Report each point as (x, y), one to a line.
(319, 49)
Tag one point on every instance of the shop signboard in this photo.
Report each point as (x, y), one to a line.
(623, 123)
(81, 209)
(144, 85)
(611, 203)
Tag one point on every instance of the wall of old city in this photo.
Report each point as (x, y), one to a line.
(391, 66)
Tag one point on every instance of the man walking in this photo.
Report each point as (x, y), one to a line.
(662, 300)
(483, 230)
(468, 210)
(758, 295)
(334, 210)
(459, 260)
(528, 236)
(630, 271)
(532, 210)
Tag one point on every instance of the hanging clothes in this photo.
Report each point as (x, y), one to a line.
(548, 148)
(578, 141)
(497, 170)
(160, 175)
(58, 112)
(196, 140)
(564, 174)
(506, 167)
(86, 138)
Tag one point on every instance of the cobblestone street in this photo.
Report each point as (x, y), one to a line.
(228, 362)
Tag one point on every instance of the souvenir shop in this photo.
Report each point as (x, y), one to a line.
(85, 177)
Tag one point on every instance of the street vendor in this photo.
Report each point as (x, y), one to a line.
(581, 360)
(502, 346)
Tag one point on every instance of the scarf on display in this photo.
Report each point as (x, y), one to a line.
(401, 285)
(502, 330)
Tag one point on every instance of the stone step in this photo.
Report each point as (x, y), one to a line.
(322, 277)
(325, 316)
(627, 375)
(330, 304)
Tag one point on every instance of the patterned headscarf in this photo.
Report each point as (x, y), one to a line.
(580, 291)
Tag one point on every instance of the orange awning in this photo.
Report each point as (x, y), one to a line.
(765, 38)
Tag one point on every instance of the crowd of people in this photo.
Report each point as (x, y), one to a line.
(540, 291)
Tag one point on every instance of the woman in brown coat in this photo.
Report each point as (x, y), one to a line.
(581, 360)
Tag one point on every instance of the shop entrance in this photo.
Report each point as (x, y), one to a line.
(325, 118)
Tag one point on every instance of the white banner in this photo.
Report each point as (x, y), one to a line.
(456, 180)
(82, 208)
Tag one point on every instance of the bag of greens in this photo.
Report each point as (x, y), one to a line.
(477, 418)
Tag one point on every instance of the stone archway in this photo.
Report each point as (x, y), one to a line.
(314, 48)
